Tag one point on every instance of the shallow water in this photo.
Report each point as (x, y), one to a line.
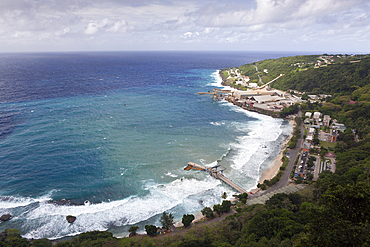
(105, 137)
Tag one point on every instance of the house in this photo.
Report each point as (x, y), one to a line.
(307, 121)
(308, 114)
(323, 136)
(317, 115)
(326, 120)
(338, 126)
(310, 134)
(312, 96)
(306, 146)
(333, 135)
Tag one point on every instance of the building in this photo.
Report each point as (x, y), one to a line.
(260, 99)
(338, 126)
(326, 120)
(242, 95)
(317, 115)
(333, 135)
(308, 114)
(310, 135)
(306, 146)
(323, 136)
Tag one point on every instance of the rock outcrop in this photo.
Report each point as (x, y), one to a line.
(5, 217)
(71, 218)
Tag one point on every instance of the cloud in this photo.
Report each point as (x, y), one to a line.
(272, 12)
(106, 25)
(214, 23)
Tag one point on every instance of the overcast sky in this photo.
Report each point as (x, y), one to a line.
(341, 26)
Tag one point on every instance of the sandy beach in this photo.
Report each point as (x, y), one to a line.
(273, 169)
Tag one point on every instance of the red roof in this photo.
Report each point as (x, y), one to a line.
(352, 102)
(330, 154)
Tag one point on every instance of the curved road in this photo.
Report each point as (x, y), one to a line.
(293, 153)
(257, 73)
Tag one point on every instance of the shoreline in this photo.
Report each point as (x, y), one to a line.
(267, 174)
(271, 171)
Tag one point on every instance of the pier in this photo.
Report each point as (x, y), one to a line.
(217, 93)
(216, 172)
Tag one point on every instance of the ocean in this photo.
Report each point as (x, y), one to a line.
(105, 136)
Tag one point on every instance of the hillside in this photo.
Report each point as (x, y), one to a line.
(315, 74)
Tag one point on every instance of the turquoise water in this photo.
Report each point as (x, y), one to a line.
(110, 146)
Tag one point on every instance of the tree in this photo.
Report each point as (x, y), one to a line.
(342, 219)
(94, 235)
(151, 230)
(133, 230)
(187, 219)
(316, 141)
(224, 196)
(207, 211)
(44, 242)
(225, 206)
(166, 220)
(243, 196)
(217, 208)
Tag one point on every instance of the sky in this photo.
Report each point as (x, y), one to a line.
(328, 26)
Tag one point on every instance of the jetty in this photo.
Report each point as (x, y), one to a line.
(216, 172)
(217, 93)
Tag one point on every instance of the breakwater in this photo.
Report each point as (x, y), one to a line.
(253, 108)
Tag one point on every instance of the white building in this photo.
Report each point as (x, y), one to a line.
(317, 115)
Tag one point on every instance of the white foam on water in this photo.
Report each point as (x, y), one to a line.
(171, 175)
(8, 202)
(254, 147)
(48, 220)
(218, 82)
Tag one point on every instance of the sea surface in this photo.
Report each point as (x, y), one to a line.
(105, 136)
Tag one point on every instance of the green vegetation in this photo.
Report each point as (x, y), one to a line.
(166, 220)
(133, 230)
(207, 211)
(242, 197)
(289, 110)
(151, 230)
(187, 219)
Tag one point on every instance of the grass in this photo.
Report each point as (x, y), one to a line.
(328, 144)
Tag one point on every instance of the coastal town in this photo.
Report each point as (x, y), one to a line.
(320, 131)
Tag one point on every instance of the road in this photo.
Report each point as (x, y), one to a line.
(317, 167)
(293, 153)
(258, 74)
(333, 165)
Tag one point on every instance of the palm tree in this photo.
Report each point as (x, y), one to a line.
(224, 195)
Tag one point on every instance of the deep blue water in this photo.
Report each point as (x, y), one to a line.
(105, 136)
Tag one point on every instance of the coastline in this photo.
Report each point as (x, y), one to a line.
(271, 171)
(268, 173)
(274, 168)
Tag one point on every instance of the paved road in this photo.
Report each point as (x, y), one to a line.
(293, 153)
(317, 167)
(258, 74)
(333, 165)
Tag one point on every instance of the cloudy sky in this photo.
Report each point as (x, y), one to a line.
(252, 25)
